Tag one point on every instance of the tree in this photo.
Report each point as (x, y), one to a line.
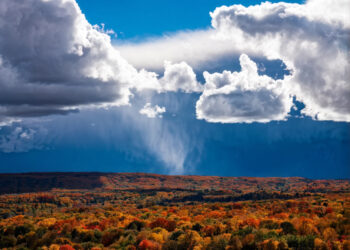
(288, 228)
(136, 225)
(8, 241)
(148, 245)
(320, 244)
(66, 247)
(329, 234)
(235, 243)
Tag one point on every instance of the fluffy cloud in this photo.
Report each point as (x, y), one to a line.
(311, 39)
(179, 77)
(52, 61)
(152, 112)
(243, 96)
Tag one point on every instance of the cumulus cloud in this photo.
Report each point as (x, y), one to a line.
(179, 77)
(311, 39)
(233, 97)
(152, 111)
(52, 61)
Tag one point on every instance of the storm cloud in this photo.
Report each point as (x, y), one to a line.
(53, 61)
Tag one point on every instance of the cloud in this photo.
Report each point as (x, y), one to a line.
(197, 48)
(243, 96)
(181, 77)
(20, 139)
(168, 141)
(152, 112)
(178, 77)
(311, 39)
(52, 61)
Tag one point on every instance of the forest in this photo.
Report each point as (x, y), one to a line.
(144, 211)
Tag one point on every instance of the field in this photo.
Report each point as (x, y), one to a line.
(148, 211)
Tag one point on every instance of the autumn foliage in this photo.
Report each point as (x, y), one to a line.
(197, 217)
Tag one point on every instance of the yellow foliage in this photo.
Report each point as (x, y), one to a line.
(227, 236)
(320, 244)
(47, 222)
(330, 234)
(157, 237)
(54, 247)
(198, 248)
(207, 240)
(191, 236)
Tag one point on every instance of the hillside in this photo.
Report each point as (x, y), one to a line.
(137, 211)
(36, 182)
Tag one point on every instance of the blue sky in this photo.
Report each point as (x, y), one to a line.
(249, 130)
(137, 19)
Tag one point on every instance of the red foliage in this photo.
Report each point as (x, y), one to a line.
(66, 247)
(147, 244)
(329, 210)
(164, 223)
(208, 230)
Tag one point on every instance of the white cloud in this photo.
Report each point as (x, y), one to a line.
(52, 61)
(196, 48)
(177, 77)
(181, 77)
(243, 96)
(152, 111)
(312, 40)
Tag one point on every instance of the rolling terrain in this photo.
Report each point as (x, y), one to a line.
(36, 182)
(138, 211)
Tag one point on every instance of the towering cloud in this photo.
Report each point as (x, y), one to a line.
(53, 61)
(313, 41)
(243, 96)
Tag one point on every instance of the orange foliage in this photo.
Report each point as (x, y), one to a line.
(66, 247)
(148, 245)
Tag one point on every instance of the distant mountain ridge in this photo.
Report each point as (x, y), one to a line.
(37, 182)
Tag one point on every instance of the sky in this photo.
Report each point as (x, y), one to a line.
(203, 87)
